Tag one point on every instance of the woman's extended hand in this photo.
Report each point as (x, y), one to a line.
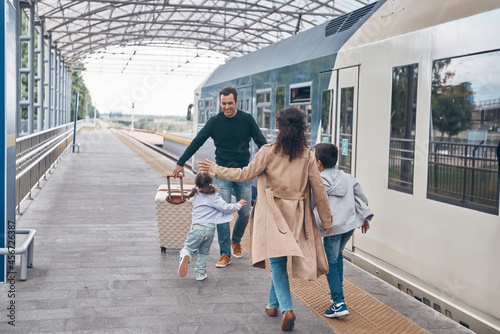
(204, 166)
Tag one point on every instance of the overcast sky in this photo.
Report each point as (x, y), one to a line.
(159, 81)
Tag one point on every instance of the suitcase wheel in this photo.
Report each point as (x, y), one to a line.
(163, 250)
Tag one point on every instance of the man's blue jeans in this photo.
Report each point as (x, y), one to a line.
(242, 190)
(199, 239)
(334, 246)
(279, 294)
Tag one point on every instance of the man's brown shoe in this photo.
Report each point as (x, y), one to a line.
(236, 250)
(272, 312)
(223, 261)
(288, 321)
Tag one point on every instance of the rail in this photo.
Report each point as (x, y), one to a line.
(26, 251)
(37, 154)
(464, 174)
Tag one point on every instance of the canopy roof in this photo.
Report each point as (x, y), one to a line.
(232, 28)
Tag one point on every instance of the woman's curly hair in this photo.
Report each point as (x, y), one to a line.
(291, 138)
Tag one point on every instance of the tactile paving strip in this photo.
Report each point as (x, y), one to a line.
(367, 314)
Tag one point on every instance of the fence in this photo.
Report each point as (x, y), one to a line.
(36, 154)
(464, 174)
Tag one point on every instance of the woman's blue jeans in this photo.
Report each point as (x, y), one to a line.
(279, 294)
(334, 246)
(242, 190)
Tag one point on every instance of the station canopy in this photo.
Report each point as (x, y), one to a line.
(88, 30)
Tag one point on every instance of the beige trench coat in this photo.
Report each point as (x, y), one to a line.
(281, 221)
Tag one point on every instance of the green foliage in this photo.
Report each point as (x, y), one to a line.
(77, 85)
(399, 100)
(451, 106)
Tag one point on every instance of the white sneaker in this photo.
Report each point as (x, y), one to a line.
(201, 277)
(183, 265)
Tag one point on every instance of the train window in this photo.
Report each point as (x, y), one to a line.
(346, 119)
(326, 114)
(464, 148)
(300, 95)
(208, 109)
(264, 113)
(279, 105)
(201, 113)
(402, 137)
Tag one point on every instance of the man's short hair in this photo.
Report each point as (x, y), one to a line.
(327, 153)
(229, 90)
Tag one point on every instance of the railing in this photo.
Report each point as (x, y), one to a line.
(401, 161)
(36, 154)
(464, 174)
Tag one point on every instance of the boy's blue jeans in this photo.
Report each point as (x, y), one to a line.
(334, 246)
(198, 239)
(279, 294)
(242, 190)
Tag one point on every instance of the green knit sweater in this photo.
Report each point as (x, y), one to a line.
(231, 138)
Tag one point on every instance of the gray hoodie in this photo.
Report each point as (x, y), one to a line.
(348, 202)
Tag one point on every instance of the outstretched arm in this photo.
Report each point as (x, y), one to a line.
(255, 168)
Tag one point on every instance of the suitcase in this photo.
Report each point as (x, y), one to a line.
(173, 214)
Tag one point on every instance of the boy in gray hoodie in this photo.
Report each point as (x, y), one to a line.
(349, 207)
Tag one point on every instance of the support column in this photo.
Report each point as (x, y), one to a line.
(51, 119)
(46, 84)
(56, 87)
(31, 67)
(41, 77)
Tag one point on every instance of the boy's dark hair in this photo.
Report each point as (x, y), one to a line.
(227, 91)
(327, 153)
(203, 184)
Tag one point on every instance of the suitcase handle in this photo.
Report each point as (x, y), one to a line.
(169, 191)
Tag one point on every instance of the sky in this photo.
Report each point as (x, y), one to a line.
(158, 81)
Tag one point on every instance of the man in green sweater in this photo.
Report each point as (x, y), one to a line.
(231, 131)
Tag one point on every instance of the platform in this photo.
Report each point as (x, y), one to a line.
(98, 266)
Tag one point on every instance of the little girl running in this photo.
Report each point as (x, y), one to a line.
(208, 209)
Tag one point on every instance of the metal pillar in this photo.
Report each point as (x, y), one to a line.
(40, 78)
(50, 105)
(17, 7)
(31, 67)
(56, 88)
(8, 107)
(46, 84)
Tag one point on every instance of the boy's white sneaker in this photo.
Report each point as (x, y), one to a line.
(201, 277)
(183, 265)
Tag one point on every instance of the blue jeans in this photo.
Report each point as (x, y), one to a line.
(242, 190)
(198, 239)
(279, 294)
(334, 246)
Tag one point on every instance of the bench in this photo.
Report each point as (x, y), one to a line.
(26, 251)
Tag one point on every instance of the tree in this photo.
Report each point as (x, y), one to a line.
(451, 104)
(77, 85)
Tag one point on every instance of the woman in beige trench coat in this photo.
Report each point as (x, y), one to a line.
(281, 222)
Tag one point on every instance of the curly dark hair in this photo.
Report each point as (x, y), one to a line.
(203, 184)
(291, 138)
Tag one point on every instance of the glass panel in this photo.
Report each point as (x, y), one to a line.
(280, 105)
(300, 94)
(307, 108)
(208, 109)
(264, 97)
(402, 138)
(326, 114)
(464, 138)
(345, 134)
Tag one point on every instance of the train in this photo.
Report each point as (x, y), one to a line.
(409, 91)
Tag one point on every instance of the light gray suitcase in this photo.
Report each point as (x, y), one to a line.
(173, 214)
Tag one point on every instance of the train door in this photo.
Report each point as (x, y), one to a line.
(346, 123)
(346, 118)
